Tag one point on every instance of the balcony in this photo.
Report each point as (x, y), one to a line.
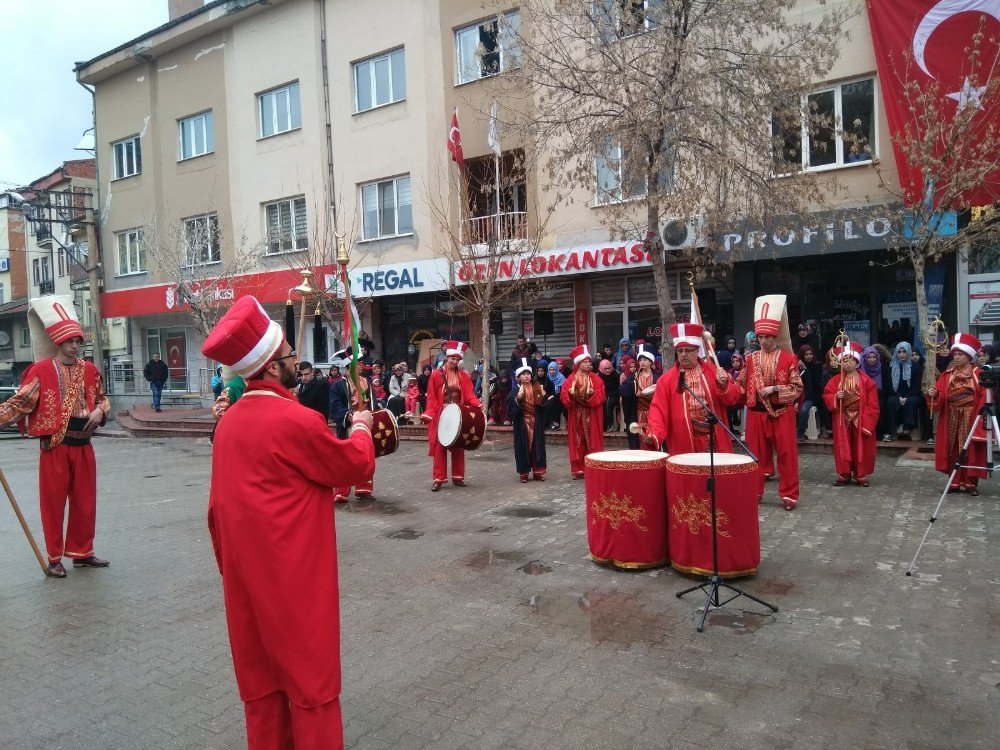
(481, 230)
(46, 287)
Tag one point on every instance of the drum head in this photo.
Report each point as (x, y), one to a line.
(704, 459)
(649, 391)
(449, 425)
(609, 457)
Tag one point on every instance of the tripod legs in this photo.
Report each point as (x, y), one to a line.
(711, 587)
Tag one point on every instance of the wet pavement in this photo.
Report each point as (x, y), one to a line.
(473, 618)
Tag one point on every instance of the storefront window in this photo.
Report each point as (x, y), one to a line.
(171, 345)
(984, 258)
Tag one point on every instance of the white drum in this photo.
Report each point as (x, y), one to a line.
(648, 391)
(449, 425)
(461, 426)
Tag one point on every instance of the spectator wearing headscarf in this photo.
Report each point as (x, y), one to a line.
(499, 413)
(986, 355)
(624, 350)
(734, 369)
(811, 370)
(557, 379)
(750, 345)
(902, 391)
(871, 365)
(606, 372)
(726, 354)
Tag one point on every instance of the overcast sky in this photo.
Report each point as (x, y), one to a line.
(43, 110)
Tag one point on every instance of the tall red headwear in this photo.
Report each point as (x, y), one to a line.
(579, 354)
(455, 349)
(965, 342)
(687, 334)
(52, 320)
(246, 339)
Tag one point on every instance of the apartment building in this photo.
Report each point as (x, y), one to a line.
(247, 125)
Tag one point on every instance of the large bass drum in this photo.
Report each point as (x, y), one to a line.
(461, 426)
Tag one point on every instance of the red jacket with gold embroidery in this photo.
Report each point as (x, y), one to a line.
(41, 397)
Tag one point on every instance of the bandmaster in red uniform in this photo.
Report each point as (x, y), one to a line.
(771, 385)
(959, 397)
(583, 396)
(270, 513)
(62, 397)
(852, 398)
(449, 384)
(677, 422)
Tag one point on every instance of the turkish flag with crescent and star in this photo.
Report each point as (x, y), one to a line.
(926, 41)
(455, 140)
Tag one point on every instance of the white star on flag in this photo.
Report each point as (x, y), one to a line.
(968, 95)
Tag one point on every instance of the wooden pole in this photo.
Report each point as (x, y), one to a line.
(24, 524)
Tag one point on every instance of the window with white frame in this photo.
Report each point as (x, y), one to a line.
(25, 335)
(386, 208)
(131, 253)
(279, 110)
(61, 262)
(379, 80)
(128, 157)
(201, 239)
(286, 224)
(2, 297)
(617, 19)
(41, 271)
(621, 172)
(488, 48)
(196, 135)
(832, 127)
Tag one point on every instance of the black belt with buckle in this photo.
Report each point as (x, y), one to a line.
(75, 434)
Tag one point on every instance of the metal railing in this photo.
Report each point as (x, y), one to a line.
(122, 380)
(478, 230)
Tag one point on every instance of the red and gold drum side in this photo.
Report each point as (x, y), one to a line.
(385, 432)
(626, 508)
(690, 513)
(461, 426)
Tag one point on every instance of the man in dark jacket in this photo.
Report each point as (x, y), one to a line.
(313, 392)
(156, 373)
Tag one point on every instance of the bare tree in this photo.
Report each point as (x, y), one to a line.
(189, 254)
(671, 108)
(952, 149)
(490, 254)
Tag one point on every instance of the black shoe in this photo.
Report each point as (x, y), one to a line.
(90, 562)
(436, 486)
(56, 570)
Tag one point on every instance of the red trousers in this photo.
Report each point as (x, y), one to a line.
(366, 486)
(68, 472)
(275, 723)
(765, 436)
(441, 463)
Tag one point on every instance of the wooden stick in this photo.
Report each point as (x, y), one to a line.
(24, 524)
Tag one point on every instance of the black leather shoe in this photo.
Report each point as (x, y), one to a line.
(436, 486)
(458, 482)
(90, 562)
(56, 570)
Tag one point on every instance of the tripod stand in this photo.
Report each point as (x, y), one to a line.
(988, 417)
(715, 582)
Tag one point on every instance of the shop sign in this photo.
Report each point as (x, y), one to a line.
(580, 325)
(559, 262)
(402, 278)
(984, 303)
(846, 230)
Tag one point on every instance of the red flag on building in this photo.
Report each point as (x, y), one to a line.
(923, 43)
(455, 141)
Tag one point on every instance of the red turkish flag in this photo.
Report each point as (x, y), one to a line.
(455, 141)
(922, 42)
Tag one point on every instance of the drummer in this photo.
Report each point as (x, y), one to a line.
(676, 420)
(641, 385)
(449, 384)
(343, 403)
(583, 396)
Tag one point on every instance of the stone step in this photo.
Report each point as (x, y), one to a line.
(136, 428)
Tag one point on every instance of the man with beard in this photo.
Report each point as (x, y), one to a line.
(447, 385)
(271, 519)
(583, 396)
(313, 391)
(771, 384)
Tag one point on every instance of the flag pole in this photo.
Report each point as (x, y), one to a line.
(705, 336)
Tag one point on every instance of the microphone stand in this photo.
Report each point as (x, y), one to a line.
(715, 581)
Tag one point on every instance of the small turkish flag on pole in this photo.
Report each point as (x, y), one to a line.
(455, 141)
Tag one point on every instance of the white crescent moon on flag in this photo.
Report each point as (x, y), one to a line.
(453, 134)
(941, 13)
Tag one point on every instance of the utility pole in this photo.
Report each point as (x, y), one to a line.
(94, 272)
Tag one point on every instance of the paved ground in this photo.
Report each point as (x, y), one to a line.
(473, 619)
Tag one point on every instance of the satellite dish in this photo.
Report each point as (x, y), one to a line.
(4, 338)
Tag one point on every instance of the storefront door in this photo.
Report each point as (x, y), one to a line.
(609, 328)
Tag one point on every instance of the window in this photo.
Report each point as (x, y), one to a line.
(379, 80)
(286, 226)
(387, 208)
(488, 48)
(201, 237)
(25, 335)
(832, 127)
(41, 271)
(2, 297)
(128, 157)
(280, 110)
(621, 173)
(61, 261)
(131, 253)
(197, 135)
(617, 19)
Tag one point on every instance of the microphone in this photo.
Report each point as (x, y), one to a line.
(680, 382)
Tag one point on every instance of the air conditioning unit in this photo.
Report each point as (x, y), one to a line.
(4, 265)
(680, 233)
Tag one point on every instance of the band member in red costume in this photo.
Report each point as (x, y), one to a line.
(449, 384)
(771, 385)
(525, 405)
(677, 422)
(271, 518)
(852, 398)
(62, 397)
(343, 403)
(959, 397)
(583, 396)
(637, 386)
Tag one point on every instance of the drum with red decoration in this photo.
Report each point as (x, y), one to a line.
(689, 506)
(626, 508)
(461, 426)
(385, 432)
